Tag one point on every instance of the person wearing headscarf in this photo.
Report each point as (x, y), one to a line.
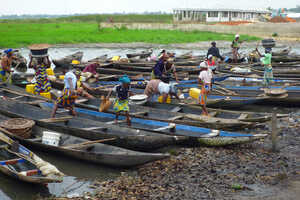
(40, 66)
(214, 51)
(157, 87)
(235, 48)
(205, 80)
(266, 61)
(67, 99)
(5, 66)
(123, 92)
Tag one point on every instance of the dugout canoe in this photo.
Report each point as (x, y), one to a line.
(66, 61)
(192, 132)
(18, 162)
(90, 129)
(142, 54)
(87, 150)
(219, 119)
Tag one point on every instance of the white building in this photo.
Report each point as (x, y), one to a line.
(216, 15)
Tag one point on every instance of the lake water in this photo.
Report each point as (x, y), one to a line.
(80, 174)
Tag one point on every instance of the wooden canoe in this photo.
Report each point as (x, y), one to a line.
(219, 119)
(87, 150)
(164, 127)
(18, 162)
(142, 54)
(66, 61)
(90, 129)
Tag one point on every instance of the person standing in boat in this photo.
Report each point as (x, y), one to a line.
(211, 63)
(121, 104)
(235, 48)
(266, 61)
(5, 66)
(67, 99)
(157, 87)
(205, 80)
(163, 70)
(40, 66)
(214, 51)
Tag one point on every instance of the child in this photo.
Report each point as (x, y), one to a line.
(123, 92)
(204, 80)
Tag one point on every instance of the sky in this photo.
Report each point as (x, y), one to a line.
(128, 6)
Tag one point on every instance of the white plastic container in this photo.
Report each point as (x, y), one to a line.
(51, 138)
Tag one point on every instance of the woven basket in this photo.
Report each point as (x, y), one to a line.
(19, 126)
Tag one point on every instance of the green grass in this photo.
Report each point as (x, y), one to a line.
(23, 34)
(127, 18)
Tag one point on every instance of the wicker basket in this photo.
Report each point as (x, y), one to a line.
(19, 126)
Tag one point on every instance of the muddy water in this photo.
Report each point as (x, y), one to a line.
(80, 175)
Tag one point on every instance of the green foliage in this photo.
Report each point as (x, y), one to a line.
(128, 18)
(237, 187)
(275, 34)
(23, 34)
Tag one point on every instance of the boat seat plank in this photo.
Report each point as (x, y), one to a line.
(243, 116)
(113, 122)
(4, 146)
(140, 113)
(38, 139)
(170, 126)
(12, 161)
(17, 97)
(213, 114)
(175, 118)
(94, 128)
(176, 109)
(81, 100)
(54, 120)
(36, 102)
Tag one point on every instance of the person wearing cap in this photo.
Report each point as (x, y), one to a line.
(67, 99)
(235, 48)
(214, 51)
(123, 92)
(266, 61)
(211, 63)
(157, 87)
(205, 80)
(40, 66)
(5, 66)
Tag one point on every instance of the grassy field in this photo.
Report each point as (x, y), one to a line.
(127, 18)
(23, 34)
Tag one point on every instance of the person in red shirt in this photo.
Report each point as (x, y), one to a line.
(91, 68)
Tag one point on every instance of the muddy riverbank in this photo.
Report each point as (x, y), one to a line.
(281, 42)
(250, 171)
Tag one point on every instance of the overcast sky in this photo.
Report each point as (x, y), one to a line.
(111, 6)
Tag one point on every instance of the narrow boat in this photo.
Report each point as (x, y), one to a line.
(91, 151)
(164, 127)
(189, 115)
(89, 129)
(18, 162)
(66, 61)
(142, 54)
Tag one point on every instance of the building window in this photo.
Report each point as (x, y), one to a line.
(212, 14)
(225, 14)
(184, 14)
(235, 14)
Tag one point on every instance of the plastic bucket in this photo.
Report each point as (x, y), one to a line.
(194, 93)
(30, 88)
(50, 138)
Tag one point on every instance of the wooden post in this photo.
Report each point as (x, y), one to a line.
(274, 130)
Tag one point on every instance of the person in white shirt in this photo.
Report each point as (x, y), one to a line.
(67, 99)
(205, 80)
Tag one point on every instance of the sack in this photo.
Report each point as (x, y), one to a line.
(105, 104)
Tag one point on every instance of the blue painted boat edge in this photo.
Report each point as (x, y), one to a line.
(198, 130)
